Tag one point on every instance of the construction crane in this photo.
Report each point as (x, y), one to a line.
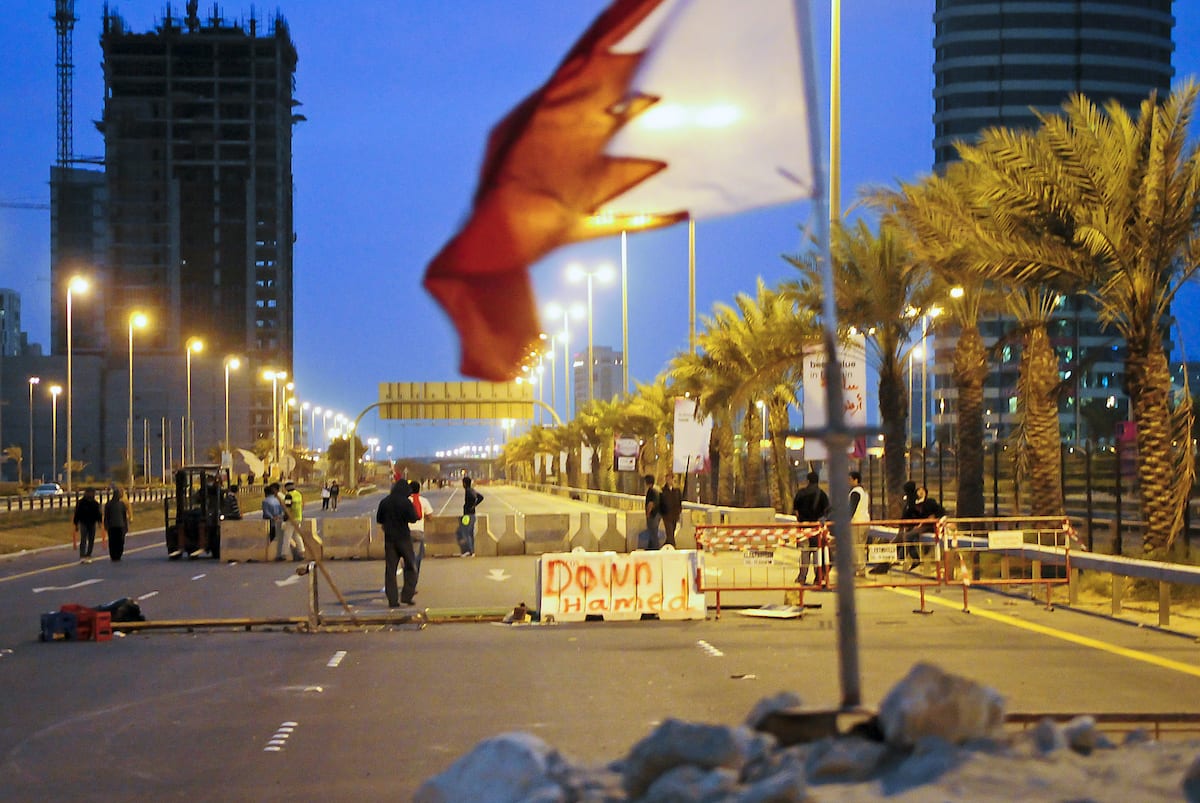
(64, 24)
(22, 205)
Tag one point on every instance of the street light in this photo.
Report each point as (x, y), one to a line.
(603, 273)
(77, 284)
(54, 391)
(325, 428)
(574, 311)
(274, 377)
(33, 380)
(136, 320)
(231, 364)
(194, 346)
(312, 428)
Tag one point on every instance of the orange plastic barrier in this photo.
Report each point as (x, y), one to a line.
(773, 557)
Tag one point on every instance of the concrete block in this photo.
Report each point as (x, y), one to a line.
(441, 533)
(546, 532)
(245, 539)
(347, 538)
(511, 541)
(584, 537)
(612, 540)
(747, 515)
(685, 535)
(486, 543)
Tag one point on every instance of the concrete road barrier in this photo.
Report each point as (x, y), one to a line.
(511, 541)
(612, 540)
(441, 536)
(584, 537)
(747, 515)
(546, 532)
(245, 540)
(487, 545)
(314, 545)
(347, 538)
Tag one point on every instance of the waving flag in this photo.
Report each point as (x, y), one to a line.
(664, 110)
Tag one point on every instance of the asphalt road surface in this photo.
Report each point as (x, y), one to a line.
(274, 714)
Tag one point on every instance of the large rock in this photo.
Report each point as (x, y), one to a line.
(675, 744)
(509, 768)
(931, 703)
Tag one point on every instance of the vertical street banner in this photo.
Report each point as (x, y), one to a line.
(585, 459)
(853, 357)
(691, 438)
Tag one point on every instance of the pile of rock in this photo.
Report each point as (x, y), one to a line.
(936, 736)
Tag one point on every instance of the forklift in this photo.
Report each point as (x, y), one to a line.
(193, 517)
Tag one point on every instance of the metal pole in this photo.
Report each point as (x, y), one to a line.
(69, 381)
(227, 406)
(591, 366)
(624, 317)
(567, 361)
(553, 381)
(692, 286)
(129, 423)
(33, 380)
(187, 418)
(54, 431)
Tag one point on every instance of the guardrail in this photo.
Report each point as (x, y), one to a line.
(65, 501)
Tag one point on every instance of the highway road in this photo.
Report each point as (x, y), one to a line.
(272, 714)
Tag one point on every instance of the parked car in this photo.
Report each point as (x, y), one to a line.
(48, 489)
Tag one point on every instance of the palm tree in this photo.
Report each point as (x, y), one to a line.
(881, 290)
(1125, 193)
(17, 455)
(933, 211)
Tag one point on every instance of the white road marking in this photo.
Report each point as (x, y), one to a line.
(279, 738)
(336, 659)
(446, 504)
(80, 584)
(710, 649)
(499, 575)
(200, 577)
(291, 578)
(147, 595)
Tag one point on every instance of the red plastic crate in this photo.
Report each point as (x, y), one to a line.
(102, 629)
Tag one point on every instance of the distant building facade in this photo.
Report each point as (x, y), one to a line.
(607, 375)
(190, 222)
(994, 59)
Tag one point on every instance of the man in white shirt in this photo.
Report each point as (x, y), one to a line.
(860, 514)
(423, 508)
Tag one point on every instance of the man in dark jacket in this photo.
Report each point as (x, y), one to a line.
(395, 513)
(670, 505)
(466, 528)
(87, 516)
(811, 505)
(117, 518)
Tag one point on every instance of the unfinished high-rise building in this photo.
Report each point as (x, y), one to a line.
(197, 131)
(189, 222)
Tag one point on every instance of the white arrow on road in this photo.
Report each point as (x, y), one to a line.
(80, 584)
(499, 575)
(291, 578)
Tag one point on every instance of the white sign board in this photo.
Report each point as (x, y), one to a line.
(853, 358)
(691, 438)
(1006, 539)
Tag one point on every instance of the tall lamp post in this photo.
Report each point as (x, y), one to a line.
(194, 346)
(55, 390)
(274, 378)
(231, 364)
(566, 313)
(77, 284)
(604, 274)
(136, 320)
(33, 380)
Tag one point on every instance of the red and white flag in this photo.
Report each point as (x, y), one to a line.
(664, 110)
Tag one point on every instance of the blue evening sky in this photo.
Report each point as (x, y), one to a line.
(400, 96)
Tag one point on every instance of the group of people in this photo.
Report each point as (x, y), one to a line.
(115, 516)
(663, 505)
(330, 492)
(811, 505)
(284, 509)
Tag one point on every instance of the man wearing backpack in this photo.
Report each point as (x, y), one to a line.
(423, 508)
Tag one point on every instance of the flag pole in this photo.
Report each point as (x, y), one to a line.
(836, 436)
(624, 316)
(692, 285)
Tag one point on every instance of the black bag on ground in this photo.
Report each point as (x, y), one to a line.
(123, 610)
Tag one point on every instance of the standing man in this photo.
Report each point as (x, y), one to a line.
(811, 505)
(87, 516)
(335, 490)
(423, 508)
(293, 514)
(117, 518)
(395, 513)
(466, 528)
(860, 513)
(670, 505)
(653, 512)
(272, 511)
